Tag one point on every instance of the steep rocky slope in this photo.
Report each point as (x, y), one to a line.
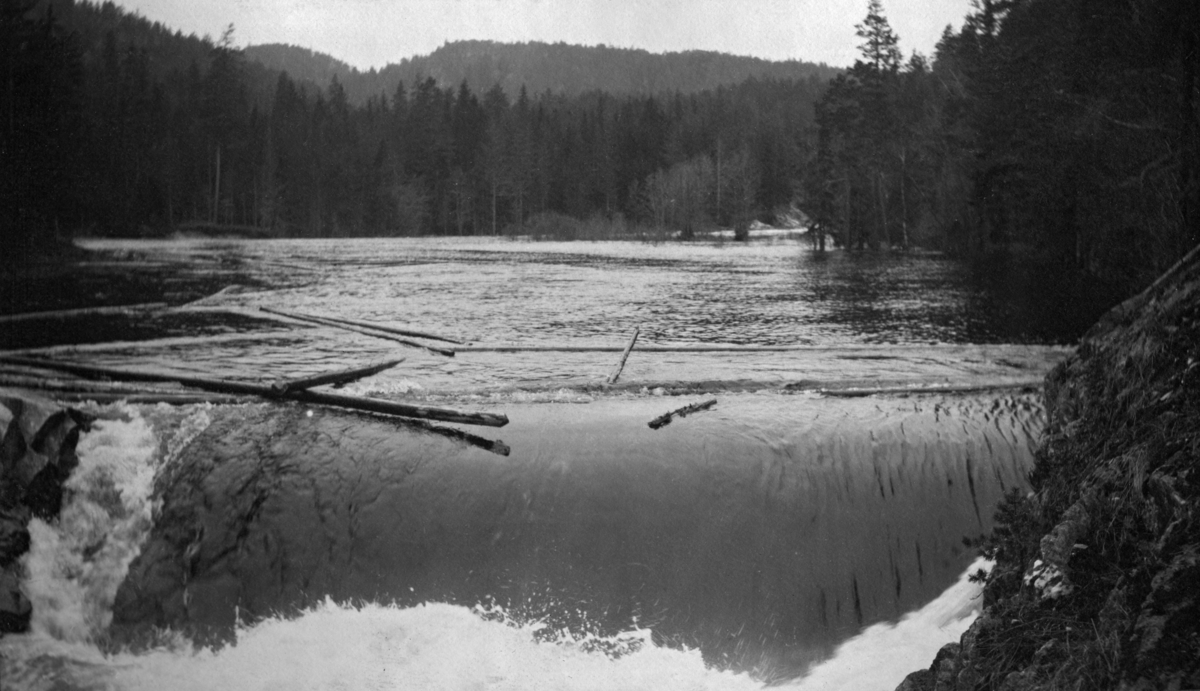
(1097, 576)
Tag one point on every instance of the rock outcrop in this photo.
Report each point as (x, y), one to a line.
(37, 455)
(1097, 576)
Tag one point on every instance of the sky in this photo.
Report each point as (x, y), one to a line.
(373, 33)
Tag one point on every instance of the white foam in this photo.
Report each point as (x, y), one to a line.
(435, 646)
(441, 646)
(882, 655)
(76, 563)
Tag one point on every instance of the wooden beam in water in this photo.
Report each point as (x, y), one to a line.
(82, 312)
(393, 330)
(896, 390)
(357, 329)
(338, 377)
(612, 378)
(151, 343)
(495, 446)
(50, 383)
(665, 418)
(376, 405)
(373, 405)
(181, 398)
(641, 349)
(209, 298)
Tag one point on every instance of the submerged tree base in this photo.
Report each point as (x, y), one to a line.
(1097, 577)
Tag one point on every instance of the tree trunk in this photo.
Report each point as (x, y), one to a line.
(216, 203)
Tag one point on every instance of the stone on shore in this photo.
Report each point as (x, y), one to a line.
(37, 455)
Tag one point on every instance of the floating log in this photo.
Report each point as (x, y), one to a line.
(357, 329)
(393, 330)
(182, 398)
(338, 377)
(81, 312)
(373, 405)
(612, 378)
(285, 265)
(486, 348)
(493, 445)
(840, 351)
(376, 405)
(641, 349)
(200, 301)
(665, 419)
(151, 343)
(895, 390)
(45, 383)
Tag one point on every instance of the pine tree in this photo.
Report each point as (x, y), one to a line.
(881, 48)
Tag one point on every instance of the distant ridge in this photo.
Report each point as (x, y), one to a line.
(301, 64)
(556, 67)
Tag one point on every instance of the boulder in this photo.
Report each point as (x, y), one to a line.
(15, 609)
(14, 536)
(37, 453)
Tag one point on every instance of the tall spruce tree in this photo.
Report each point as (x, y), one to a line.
(859, 152)
(880, 48)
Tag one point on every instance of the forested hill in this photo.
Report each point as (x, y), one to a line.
(108, 37)
(304, 65)
(1030, 133)
(556, 67)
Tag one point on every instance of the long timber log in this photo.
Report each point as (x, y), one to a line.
(188, 398)
(393, 330)
(499, 348)
(495, 446)
(172, 342)
(44, 383)
(338, 377)
(373, 405)
(900, 390)
(81, 312)
(210, 298)
(371, 331)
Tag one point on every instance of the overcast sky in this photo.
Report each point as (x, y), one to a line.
(373, 33)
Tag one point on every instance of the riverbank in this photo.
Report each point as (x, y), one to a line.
(1097, 576)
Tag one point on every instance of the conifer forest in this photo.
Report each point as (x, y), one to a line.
(1062, 128)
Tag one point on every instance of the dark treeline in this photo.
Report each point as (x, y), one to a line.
(1067, 128)
(557, 67)
(1061, 129)
(138, 145)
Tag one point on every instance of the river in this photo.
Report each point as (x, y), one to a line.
(790, 535)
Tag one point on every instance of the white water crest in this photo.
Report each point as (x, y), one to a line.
(440, 646)
(76, 563)
(882, 655)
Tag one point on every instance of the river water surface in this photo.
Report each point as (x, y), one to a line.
(789, 535)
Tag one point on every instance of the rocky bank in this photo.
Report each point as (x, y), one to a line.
(37, 454)
(1097, 576)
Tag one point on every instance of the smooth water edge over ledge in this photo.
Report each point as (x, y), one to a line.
(502, 498)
